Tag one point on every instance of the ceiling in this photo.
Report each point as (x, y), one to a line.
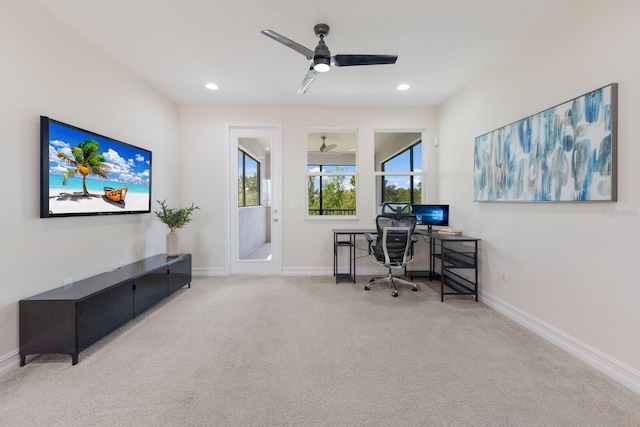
(179, 45)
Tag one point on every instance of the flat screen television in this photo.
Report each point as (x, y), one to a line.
(83, 173)
(431, 215)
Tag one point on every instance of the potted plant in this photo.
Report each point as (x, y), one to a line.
(174, 218)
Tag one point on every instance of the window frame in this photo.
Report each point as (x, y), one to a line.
(242, 174)
(422, 173)
(323, 174)
(350, 175)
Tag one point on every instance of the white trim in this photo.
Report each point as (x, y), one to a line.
(363, 272)
(330, 130)
(307, 271)
(612, 368)
(208, 271)
(9, 362)
(274, 265)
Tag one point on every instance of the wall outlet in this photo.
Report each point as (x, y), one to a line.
(503, 274)
(67, 283)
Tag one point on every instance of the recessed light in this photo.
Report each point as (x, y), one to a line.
(403, 86)
(211, 86)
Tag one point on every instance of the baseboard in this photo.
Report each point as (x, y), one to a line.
(612, 368)
(202, 272)
(9, 362)
(307, 271)
(293, 271)
(328, 271)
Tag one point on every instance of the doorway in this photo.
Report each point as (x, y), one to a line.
(254, 217)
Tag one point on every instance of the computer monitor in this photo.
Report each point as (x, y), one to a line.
(431, 215)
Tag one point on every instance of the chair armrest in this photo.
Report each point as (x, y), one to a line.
(369, 237)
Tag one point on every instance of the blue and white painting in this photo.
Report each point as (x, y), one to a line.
(566, 153)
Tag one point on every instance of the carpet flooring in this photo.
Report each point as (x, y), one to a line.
(305, 351)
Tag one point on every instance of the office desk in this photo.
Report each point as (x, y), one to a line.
(346, 237)
(452, 254)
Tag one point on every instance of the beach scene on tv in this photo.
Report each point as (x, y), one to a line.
(91, 174)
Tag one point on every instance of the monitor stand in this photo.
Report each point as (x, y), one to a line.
(423, 228)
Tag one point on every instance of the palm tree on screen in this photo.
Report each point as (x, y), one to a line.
(85, 160)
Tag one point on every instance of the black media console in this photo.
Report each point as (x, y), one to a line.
(69, 319)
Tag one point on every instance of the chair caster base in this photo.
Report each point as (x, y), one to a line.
(366, 288)
(394, 294)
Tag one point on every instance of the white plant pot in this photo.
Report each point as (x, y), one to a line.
(172, 243)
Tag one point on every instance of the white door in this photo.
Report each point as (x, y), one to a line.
(254, 218)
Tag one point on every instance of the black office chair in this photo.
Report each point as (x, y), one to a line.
(393, 244)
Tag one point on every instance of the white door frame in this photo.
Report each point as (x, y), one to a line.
(264, 266)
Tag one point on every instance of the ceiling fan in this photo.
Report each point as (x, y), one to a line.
(321, 58)
(326, 148)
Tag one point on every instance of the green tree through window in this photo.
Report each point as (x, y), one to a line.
(331, 190)
(408, 186)
(248, 180)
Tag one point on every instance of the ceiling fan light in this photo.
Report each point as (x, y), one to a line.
(321, 68)
(321, 64)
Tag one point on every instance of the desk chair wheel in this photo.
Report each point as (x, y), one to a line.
(394, 294)
(366, 287)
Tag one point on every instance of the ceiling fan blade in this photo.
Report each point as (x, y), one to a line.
(308, 53)
(329, 147)
(308, 79)
(350, 60)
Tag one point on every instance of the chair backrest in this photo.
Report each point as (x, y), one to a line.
(393, 244)
(395, 209)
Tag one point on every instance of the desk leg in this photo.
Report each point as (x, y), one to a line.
(432, 258)
(335, 256)
(443, 262)
(353, 256)
(475, 261)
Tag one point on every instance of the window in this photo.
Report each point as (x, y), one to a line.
(331, 174)
(403, 188)
(399, 167)
(248, 180)
(331, 190)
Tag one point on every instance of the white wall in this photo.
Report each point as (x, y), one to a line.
(47, 70)
(307, 245)
(571, 266)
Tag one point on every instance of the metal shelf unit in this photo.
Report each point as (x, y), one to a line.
(455, 257)
(346, 238)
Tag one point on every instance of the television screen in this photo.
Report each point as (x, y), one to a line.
(431, 214)
(83, 173)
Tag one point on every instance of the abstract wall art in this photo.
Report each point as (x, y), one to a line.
(567, 153)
